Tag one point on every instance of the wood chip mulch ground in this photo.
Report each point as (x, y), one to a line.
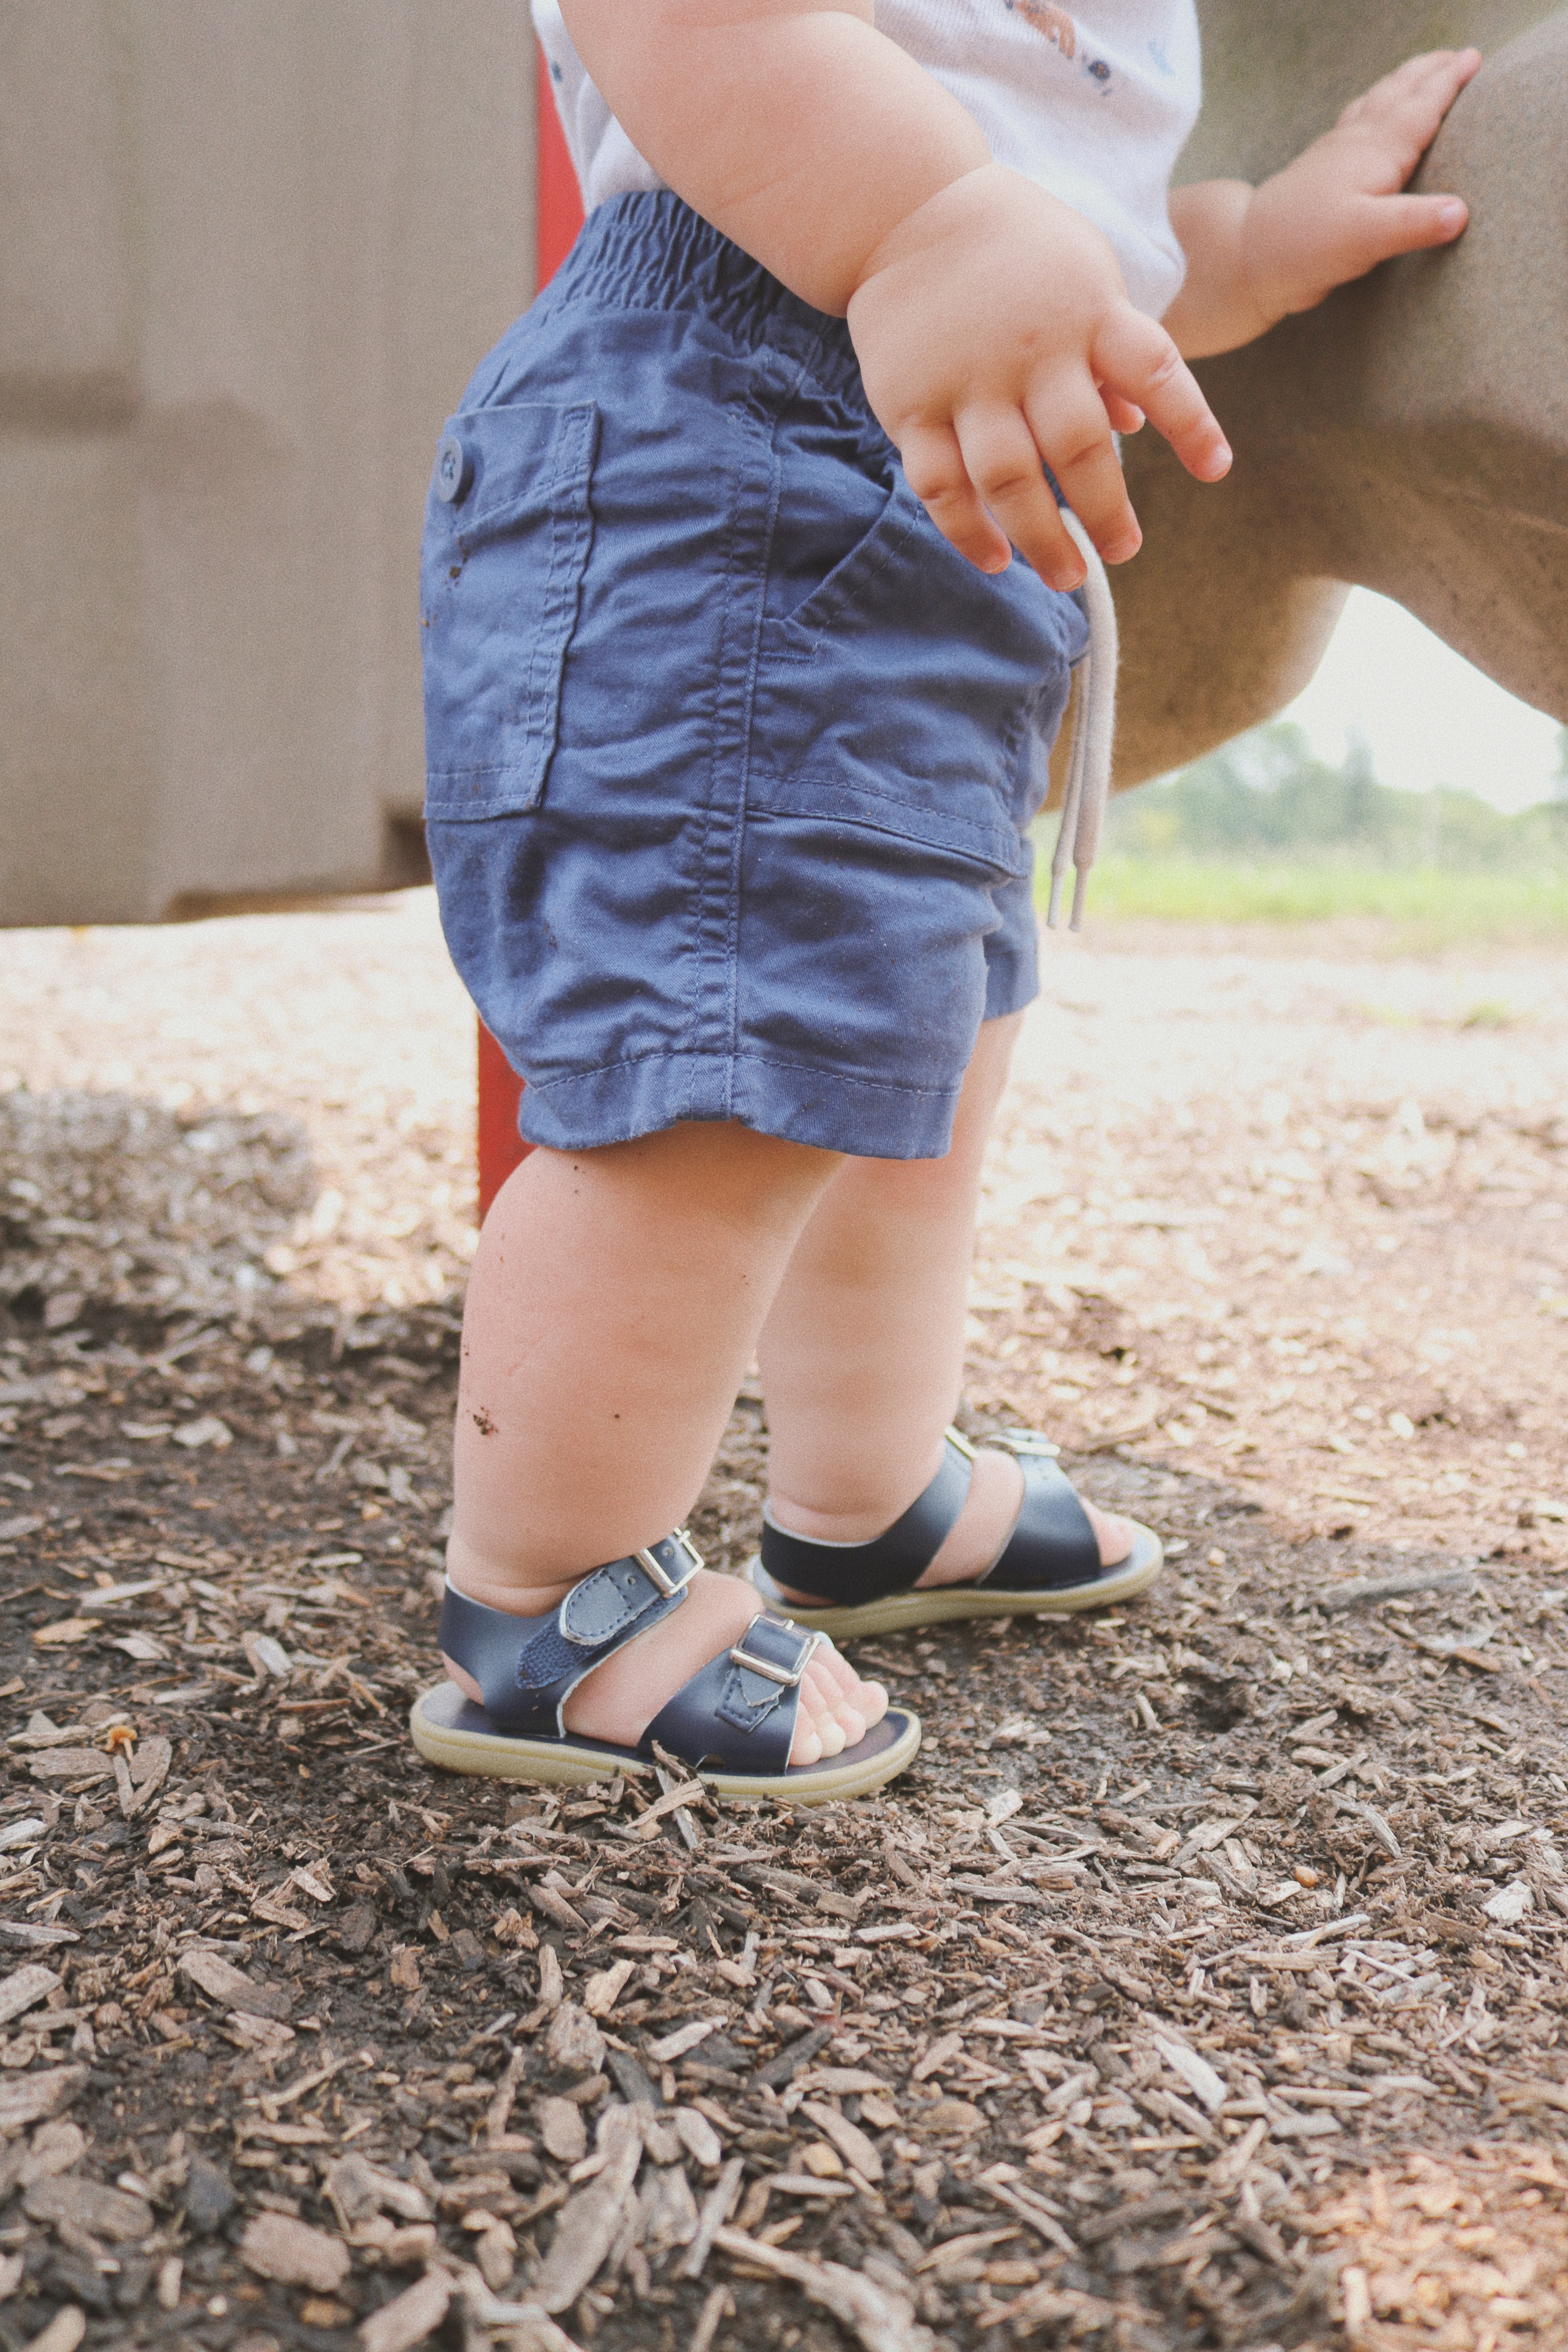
(1204, 1985)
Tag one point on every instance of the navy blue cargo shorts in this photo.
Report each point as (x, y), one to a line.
(731, 756)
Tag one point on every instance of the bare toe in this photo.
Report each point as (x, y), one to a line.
(830, 1732)
(820, 1699)
(836, 1708)
(807, 1746)
(1114, 1536)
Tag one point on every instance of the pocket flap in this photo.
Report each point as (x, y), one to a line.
(501, 579)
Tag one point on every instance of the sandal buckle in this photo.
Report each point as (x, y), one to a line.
(1027, 1443)
(787, 1678)
(652, 1567)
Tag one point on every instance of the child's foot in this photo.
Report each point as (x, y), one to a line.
(619, 1699)
(980, 1530)
(983, 1526)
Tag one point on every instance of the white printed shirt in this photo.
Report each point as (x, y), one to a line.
(1093, 104)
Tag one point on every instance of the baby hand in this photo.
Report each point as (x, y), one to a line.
(993, 330)
(1337, 211)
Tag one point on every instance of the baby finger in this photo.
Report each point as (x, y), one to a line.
(934, 469)
(1004, 463)
(1137, 360)
(1075, 434)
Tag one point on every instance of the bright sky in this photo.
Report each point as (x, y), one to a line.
(1430, 716)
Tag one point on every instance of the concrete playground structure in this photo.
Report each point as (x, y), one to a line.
(248, 257)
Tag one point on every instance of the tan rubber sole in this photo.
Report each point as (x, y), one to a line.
(904, 1613)
(457, 1748)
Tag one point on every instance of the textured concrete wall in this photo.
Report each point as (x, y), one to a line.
(248, 257)
(1410, 434)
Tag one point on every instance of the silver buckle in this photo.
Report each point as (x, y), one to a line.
(741, 1656)
(659, 1575)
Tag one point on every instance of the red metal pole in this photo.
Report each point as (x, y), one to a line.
(560, 204)
(560, 217)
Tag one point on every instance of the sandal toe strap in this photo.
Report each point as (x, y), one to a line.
(1052, 1543)
(738, 1712)
(528, 1667)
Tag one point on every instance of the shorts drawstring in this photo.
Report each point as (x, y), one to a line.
(1093, 730)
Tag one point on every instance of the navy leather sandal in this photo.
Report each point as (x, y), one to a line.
(733, 1723)
(1049, 1565)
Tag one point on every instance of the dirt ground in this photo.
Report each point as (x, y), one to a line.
(1203, 1985)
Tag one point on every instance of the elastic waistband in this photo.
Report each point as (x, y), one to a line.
(652, 252)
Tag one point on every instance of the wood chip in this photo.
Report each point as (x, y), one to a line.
(1361, 1592)
(30, 2098)
(410, 2317)
(231, 1989)
(717, 2207)
(603, 1991)
(866, 2310)
(685, 2037)
(562, 2130)
(853, 2146)
(684, 1793)
(64, 2332)
(65, 1631)
(72, 2201)
(24, 1988)
(72, 1764)
(586, 2226)
(1196, 2072)
(276, 2247)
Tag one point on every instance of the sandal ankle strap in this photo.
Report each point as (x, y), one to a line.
(891, 1563)
(528, 1667)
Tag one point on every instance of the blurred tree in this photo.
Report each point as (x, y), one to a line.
(1267, 798)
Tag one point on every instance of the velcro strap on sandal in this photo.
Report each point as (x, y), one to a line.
(738, 1712)
(528, 1667)
(844, 1575)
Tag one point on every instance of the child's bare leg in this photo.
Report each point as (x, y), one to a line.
(613, 1306)
(862, 1355)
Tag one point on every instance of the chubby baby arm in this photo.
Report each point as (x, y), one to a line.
(991, 321)
(1257, 255)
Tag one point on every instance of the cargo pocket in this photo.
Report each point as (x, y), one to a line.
(854, 583)
(509, 527)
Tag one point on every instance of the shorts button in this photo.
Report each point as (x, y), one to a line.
(454, 470)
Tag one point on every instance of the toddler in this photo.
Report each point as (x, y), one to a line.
(753, 578)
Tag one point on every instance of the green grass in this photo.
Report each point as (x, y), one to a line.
(1420, 908)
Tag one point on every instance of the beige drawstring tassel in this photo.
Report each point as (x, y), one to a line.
(1093, 732)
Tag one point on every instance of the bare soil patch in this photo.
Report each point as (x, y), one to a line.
(1204, 1984)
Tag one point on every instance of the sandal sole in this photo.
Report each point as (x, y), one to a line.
(449, 1731)
(905, 1612)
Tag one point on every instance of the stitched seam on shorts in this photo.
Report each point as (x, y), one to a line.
(569, 526)
(761, 1061)
(703, 893)
(483, 767)
(718, 911)
(817, 632)
(531, 727)
(743, 781)
(928, 839)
